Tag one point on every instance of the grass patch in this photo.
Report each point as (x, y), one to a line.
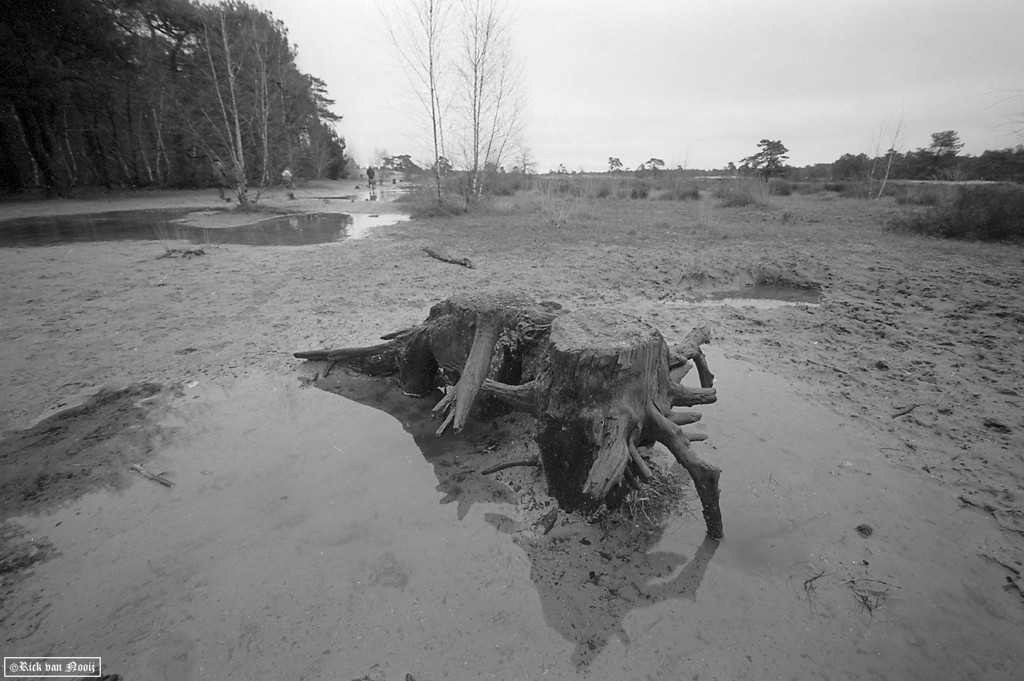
(982, 213)
(425, 204)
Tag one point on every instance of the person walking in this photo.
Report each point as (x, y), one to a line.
(286, 176)
(371, 178)
(220, 174)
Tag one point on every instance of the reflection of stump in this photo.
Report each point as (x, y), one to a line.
(601, 384)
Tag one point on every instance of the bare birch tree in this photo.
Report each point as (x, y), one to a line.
(492, 89)
(228, 124)
(419, 31)
(893, 133)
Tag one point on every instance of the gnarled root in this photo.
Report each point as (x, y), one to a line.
(705, 476)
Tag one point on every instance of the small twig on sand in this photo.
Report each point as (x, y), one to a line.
(138, 468)
(510, 464)
(809, 583)
(1010, 629)
(465, 262)
(827, 366)
(854, 581)
(904, 412)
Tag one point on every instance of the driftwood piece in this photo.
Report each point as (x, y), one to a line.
(601, 383)
(444, 257)
(141, 470)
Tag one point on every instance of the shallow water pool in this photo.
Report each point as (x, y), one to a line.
(314, 536)
(165, 225)
(765, 297)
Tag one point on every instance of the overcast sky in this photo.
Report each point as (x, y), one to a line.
(698, 83)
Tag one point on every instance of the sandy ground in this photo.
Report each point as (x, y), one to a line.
(918, 345)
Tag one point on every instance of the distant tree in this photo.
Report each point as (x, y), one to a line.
(731, 167)
(443, 166)
(401, 163)
(946, 143)
(1005, 165)
(851, 167)
(945, 147)
(654, 164)
(614, 164)
(769, 161)
(524, 159)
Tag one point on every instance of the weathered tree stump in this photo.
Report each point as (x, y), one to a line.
(601, 384)
(605, 389)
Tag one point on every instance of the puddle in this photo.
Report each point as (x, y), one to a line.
(765, 297)
(312, 536)
(286, 230)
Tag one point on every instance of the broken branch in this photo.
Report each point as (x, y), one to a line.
(443, 257)
(516, 463)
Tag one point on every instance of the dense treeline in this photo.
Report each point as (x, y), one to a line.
(153, 93)
(1002, 165)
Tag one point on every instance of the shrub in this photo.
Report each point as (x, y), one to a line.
(681, 192)
(779, 187)
(919, 195)
(640, 190)
(506, 184)
(604, 190)
(808, 187)
(835, 187)
(742, 193)
(985, 213)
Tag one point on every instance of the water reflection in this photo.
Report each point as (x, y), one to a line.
(590, 577)
(452, 457)
(765, 297)
(589, 585)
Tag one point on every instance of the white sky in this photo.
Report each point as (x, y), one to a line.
(699, 82)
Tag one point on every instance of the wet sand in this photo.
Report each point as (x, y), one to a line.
(309, 535)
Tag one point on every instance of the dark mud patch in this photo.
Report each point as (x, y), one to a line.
(76, 450)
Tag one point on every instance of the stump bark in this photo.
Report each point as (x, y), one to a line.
(601, 383)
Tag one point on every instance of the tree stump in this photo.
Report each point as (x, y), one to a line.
(468, 337)
(605, 390)
(601, 384)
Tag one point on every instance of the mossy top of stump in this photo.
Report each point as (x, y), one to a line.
(601, 331)
(502, 304)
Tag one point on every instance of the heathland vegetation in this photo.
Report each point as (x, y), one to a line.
(941, 192)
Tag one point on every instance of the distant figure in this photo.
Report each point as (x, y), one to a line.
(371, 177)
(220, 174)
(286, 175)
